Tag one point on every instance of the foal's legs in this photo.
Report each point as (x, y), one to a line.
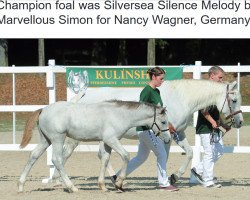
(104, 155)
(57, 159)
(35, 154)
(101, 153)
(115, 144)
(68, 148)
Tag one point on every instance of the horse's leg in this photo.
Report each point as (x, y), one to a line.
(105, 151)
(184, 144)
(100, 155)
(110, 169)
(68, 148)
(57, 159)
(115, 144)
(35, 154)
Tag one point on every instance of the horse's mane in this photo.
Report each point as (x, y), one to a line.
(131, 104)
(204, 91)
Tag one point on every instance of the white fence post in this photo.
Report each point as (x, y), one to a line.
(50, 82)
(197, 148)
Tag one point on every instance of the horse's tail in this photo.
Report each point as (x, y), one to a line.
(27, 134)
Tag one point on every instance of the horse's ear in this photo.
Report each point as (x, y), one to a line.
(233, 85)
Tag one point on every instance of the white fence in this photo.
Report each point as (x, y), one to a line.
(50, 72)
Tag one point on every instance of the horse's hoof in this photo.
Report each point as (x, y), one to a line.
(104, 190)
(173, 179)
(20, 188)
(19, 191)
(102, 187)
(73, 189)
(120, 189)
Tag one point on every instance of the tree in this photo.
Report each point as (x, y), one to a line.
(151, 52)
(97, 52)
(162, 54)
(41, 52)
(122, 53)
(3, 52)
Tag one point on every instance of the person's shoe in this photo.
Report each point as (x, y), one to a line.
(113, 179)
(197, 176)
(169, 188)
(214, 186)
(173, 179)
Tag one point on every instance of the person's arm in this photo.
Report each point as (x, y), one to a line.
(209, 118)
(171, 128)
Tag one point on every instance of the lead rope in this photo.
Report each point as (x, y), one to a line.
(176, 137)
(216, 135)
(225, 99)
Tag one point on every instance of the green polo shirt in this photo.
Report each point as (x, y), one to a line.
(203, 125)
(149, 95)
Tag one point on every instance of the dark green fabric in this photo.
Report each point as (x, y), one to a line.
(149, 95)
(203, 125)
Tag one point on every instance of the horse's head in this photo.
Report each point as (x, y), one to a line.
(160, 123)
(231, 105)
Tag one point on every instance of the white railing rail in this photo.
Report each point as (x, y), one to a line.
(50, 72)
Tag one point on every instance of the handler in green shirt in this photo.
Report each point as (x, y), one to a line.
(147, 139)
(149, 95)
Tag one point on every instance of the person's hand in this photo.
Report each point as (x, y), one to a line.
(214, 124)
(171, 128)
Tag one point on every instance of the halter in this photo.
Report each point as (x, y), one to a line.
(230, 116)
(155, 124)
(217, 133)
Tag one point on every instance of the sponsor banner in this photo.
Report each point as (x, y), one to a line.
(81, 78)
(115, 77)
